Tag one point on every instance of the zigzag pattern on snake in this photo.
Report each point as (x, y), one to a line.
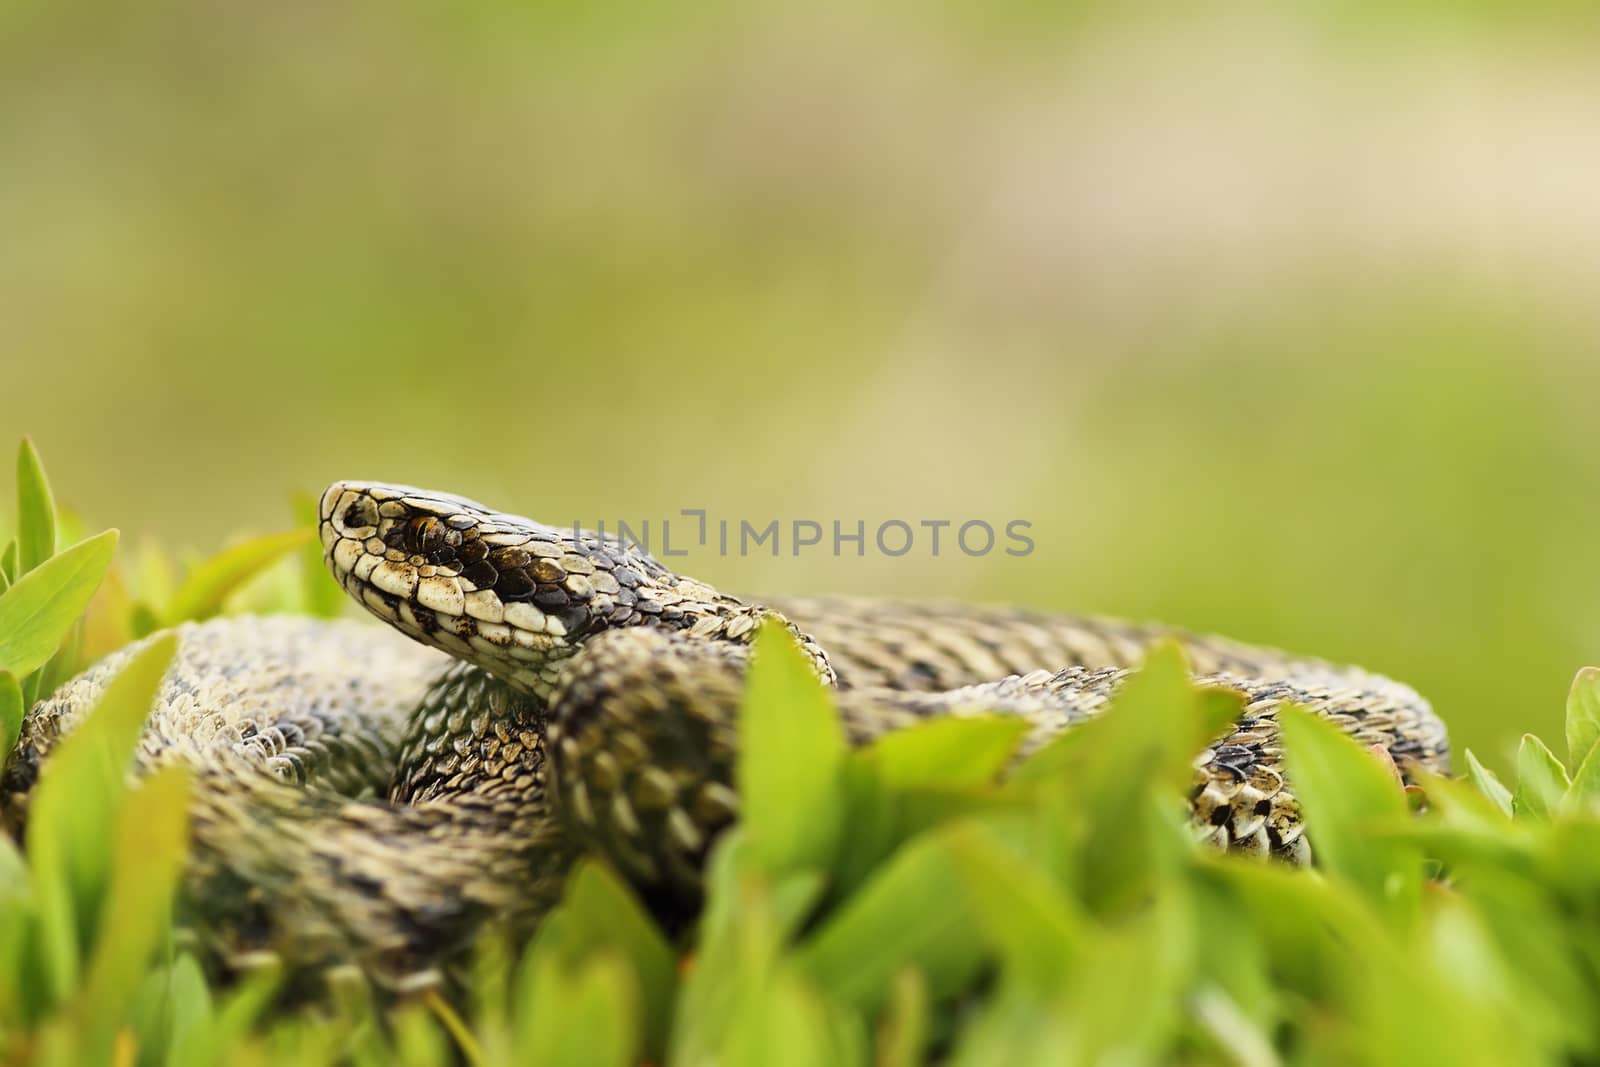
(362, 798)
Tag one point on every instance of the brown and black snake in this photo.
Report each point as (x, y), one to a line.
(361, 798)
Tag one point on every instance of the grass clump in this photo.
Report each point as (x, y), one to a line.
(891, 905)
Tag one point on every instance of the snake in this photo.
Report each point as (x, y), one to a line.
(376, 795)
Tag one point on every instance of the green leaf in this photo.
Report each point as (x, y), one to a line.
(207, 1034)
(1488, 783)
(1585, 788)
(1223, 930)
(794, 896)
(11, 712)
(1583, 716)
(1468, 829)
(790, 1025)
(8, 566)
(1306, 924)
(351, 997)
(947, 752)
(904, 916)
(912, 779)
(601, 912)
(737, 942)
(151, 835)
(1232, 1030)
(419, 1041)
(36, 510)
(73, 810)
(1033, 926)
(744, 1001)
(1126, 1006)
(188, 1010)
(1541, 780)
(37, 612)
(1012, 1025)
(902, 1037)
(208, 585)
(1130, 1003)
(791, 750)
(1348, 795)
(1120, 766)
(587, 1017)
(19, 986)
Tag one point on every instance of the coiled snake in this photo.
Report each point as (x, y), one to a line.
(361, 798)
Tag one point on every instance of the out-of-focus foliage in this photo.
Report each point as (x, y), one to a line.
(1273, 319)
(933, 905)
(89, 904)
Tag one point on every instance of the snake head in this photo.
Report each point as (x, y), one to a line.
(512, 595)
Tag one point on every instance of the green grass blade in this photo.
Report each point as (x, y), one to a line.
(18, 987)
(72, 817)
(8, 565)
(190, 1011)
(420, 1040)
(208, 585)
(739, 941)
(147, 858)
(37, 612)
(12, 708)
(791, 754)
(220, 1029)
(601, 912)
(36, 511)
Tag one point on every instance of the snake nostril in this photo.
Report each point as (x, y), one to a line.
(361, 513)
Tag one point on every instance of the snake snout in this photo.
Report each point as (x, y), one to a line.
(346, 511)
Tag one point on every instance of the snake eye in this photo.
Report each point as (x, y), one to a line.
(423, 535)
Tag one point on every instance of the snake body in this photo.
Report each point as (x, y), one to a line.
(360, 798)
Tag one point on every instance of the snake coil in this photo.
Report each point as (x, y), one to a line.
(361, 798)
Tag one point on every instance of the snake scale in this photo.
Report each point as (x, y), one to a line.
(362, 799)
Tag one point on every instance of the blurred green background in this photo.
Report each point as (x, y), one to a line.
(1273, 321)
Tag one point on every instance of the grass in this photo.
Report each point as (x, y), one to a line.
(886, 905)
